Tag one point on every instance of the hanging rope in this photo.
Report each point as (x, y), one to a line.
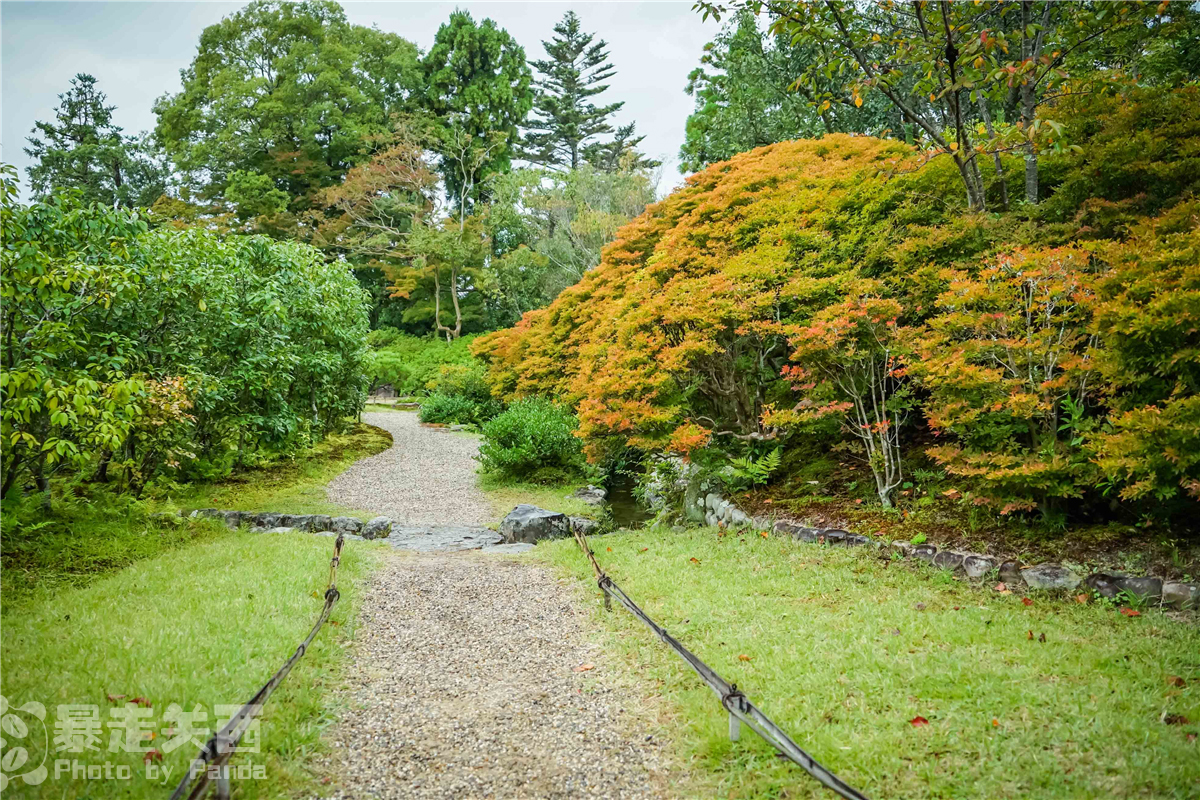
(736, 703)
(218, 749)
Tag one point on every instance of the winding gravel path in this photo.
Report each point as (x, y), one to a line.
(463, 673)
(426, 478)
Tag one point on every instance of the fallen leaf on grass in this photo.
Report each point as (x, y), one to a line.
(610, 549)
(1191, 737)
(1026, 601)
(952, 494)
(858, 502)
(1175, 719)
(694, 560)
(585, 667)
(314, 594)
(1042, 638)
(1030, 636)
(917, 722)
(919, 606)
(1081, 599)
(743, 657)
(768, 500)
(1175, 680)
(644, 549)
(112, 698)
(1129, 612)
(141, 701)
(763, 534)
(995, 722)
(1002, 588)
(152, 755)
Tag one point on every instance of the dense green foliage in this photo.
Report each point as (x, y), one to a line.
(281, 100)
(477, 85)
(411, 364)
(147, 353)
(534, 439)
(746, 97)
(82, 149)
(799, 283)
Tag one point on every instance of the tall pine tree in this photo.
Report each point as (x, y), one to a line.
(82, 149)
(564, 120)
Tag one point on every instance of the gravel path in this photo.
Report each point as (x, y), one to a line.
(425, 479)
(463, 685)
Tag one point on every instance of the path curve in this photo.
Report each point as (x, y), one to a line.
(425, 482)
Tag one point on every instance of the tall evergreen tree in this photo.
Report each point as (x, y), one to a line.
(620, 154)
(564, 119)
(477, 85)
(82, 149)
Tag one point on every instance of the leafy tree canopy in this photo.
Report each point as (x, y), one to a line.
(479, 88)
(283, 96)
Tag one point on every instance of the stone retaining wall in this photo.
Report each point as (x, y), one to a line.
(377, 528)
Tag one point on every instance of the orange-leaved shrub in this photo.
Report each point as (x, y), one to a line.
(1051, 350)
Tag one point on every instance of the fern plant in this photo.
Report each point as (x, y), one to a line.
(757, 472)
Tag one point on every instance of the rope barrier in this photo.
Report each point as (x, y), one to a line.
(218, 749)
(733, 701)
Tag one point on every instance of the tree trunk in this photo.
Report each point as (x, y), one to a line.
(10, 474)
(991, 132)
(1031, 164)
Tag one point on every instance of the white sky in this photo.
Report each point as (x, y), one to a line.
(136, 49)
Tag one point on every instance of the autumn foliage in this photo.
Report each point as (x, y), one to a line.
(1050, 353)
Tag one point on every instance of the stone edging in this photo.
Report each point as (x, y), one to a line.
(1110, 583)
(272, 522)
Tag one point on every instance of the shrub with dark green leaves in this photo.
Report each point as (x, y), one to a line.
(448, 409)
(533, 440)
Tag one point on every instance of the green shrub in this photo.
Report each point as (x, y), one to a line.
(533, 440)
(411, 363)
(448, 409)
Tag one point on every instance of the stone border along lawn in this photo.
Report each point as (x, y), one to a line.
(1108, 584)
(906, 682)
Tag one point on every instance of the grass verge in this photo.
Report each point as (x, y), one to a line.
(505, 494)
(93, 531)
(200, 627)
(845, 649)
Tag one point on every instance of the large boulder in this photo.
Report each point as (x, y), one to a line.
(1144, 588)
(267, 519)
(321, 522)
(377, 528)
(527, 523)
(300, 522)
(1050, 576)
(976, 565)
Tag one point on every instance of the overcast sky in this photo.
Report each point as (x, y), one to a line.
(136, 49)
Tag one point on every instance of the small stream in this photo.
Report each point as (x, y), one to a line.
(623, 506)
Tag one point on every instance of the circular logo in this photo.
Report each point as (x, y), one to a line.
(22, 727)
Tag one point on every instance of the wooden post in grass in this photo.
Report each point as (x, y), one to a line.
(735, 728)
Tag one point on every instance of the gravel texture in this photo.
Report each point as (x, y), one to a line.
(464, 685)
(426, 479)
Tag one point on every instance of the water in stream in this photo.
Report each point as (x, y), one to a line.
(624, 507)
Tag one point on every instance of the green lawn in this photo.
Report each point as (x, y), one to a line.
(505, 495)
(91, 531)
(845, 648)
(204, 624)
